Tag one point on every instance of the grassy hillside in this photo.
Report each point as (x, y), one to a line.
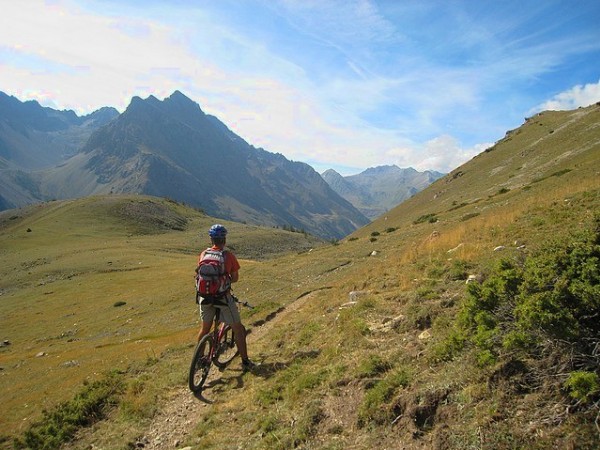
(377, 338)
(96, 284)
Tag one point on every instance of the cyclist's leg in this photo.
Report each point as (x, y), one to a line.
(239, 333)
(231, 316)
(207, 315)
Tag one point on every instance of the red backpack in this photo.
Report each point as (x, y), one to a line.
(212, 280)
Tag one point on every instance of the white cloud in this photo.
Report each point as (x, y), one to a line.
(100, 60)
(443, 153)
(333, 82)
(580, 95)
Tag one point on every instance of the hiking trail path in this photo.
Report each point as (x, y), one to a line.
(173, 424)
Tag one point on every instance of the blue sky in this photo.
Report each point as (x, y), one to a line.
(346, 84)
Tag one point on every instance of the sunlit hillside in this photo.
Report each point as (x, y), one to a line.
(90, 285)
(360, 341)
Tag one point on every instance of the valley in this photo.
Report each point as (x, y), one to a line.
(372, 338)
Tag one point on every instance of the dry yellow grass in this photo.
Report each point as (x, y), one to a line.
(84, 293)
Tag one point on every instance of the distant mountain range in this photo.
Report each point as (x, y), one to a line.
(33, 137)
(379, 189)
(168, 148)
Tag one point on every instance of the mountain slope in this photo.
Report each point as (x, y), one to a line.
(172, 149)
(168, 148)
(379, 189)
(64, 267)
(32, 138)
(550, 148)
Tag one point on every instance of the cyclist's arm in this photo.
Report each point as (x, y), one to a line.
(232, 266)
(234, 276)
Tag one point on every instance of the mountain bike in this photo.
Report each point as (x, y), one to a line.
(217, 347)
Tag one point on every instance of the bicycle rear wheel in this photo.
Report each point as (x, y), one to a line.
(200, 364)
(226, 350)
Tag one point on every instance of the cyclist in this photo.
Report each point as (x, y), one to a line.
(225, 302)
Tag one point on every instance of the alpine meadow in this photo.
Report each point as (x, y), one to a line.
(464, 318)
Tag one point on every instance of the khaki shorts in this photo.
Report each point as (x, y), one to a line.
(229, 312)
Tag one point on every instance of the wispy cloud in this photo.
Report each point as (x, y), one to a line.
(580, 95)
(441, 152)
(339, 23)
(367, 82)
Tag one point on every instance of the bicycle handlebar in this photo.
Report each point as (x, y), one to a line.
(246, 304)
(243, 303)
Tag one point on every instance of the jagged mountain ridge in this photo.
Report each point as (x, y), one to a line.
(379, 189)
(190, 156)
(171, 148)
(34, 137)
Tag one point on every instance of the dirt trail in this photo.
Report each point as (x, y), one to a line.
(182, 411)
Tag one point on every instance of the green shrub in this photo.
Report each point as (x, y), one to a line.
(450, 347)
(517, 339)
(459, 270)
(553, 296)
(375, 406)
(61, 424)
(561, 290)
(374, 365)
(431, 218)
(582, 385)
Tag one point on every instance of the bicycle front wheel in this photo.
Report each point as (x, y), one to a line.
(200, 364)
(226, 349)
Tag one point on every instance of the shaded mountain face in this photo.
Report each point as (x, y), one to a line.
(379, 189)
(33, 138)
(171, 148)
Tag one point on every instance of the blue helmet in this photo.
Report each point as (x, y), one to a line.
(217, 231)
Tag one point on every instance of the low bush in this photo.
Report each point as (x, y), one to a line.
(582, 385)
(60, 424)
(374, 365)
(431, 218)
(376, 403)
(548, 304)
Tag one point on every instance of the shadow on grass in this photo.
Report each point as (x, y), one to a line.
(234, 378)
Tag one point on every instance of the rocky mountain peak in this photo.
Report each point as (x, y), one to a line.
(378, 189)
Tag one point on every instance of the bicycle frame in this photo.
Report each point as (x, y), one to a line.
(219, 329)
(219, 343)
